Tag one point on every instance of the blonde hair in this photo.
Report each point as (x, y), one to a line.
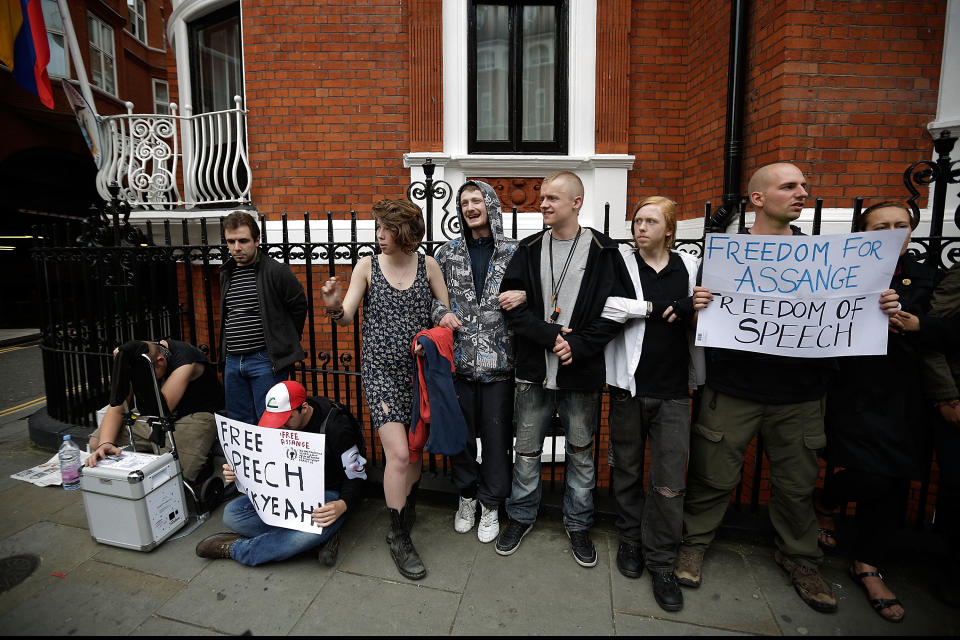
(669, 209)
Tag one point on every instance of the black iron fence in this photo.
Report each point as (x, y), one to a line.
(109, 282)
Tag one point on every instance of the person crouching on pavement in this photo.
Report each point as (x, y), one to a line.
(254, 542)
(650, 372)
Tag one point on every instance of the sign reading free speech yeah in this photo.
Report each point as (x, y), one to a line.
(280, 470)
(800, 296)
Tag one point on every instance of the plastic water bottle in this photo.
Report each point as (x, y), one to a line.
(69, 464)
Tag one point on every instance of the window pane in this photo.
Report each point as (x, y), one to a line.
(93, 29)
(493, 59)
(51, 16)
(108, 75)
(539, 47)
(58, 55)
(219, 65)
(107, 40)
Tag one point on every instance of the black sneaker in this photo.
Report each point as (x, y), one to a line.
(583, 550)
(666, 591)
(510, 537)
(629, 560)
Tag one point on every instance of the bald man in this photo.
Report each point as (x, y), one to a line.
(566, 273)
(780, 397)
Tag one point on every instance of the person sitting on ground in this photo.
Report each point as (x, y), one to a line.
(252, 541)
(875, 420)
(188, 386)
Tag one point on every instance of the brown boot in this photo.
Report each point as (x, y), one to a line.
(809, 584)
(217, 546)
(688, 568)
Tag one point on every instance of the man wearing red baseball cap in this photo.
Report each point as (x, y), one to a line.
(255, 542)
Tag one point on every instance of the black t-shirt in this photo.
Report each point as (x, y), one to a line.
(202, 394)
(344, 469)
(664, 359)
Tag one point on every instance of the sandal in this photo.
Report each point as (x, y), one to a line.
(878, 604)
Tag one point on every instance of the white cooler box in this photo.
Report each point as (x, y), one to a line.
(136, 501)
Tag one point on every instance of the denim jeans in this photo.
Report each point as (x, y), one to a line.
(654, 520)
(246, 379)
(534, 407)
(262, 542)
(488, 410)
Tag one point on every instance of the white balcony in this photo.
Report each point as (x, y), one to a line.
(168, 162)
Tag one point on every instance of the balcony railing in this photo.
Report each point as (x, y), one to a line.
(164, 162)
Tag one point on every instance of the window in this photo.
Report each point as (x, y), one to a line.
(517, 91)
(161, 97)
(103, 72)
(59, 64)
(215, 60)
(138, 19)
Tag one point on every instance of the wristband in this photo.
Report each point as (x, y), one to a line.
(103, 443)
(335, 315)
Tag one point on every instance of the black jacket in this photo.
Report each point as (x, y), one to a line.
(605, 276)
(283, 309)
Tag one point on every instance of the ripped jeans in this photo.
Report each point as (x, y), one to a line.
(579, 411)
(654, 521)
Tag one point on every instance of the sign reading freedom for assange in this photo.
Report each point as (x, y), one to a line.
(800, 296)
(281, 471)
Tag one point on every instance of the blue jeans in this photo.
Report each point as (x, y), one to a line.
(262, 542)
(534, 407)
(246, 379)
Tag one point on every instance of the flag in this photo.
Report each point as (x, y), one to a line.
(24, 47)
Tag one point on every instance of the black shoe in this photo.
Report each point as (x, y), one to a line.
(666, 591)
(409, 512)
(583, 550)
(511, 535)
(629, 560)
(330, 550)
(404, 554)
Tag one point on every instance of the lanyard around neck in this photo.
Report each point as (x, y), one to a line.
(563, 274)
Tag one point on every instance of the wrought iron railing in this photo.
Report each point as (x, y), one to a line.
(165, 161)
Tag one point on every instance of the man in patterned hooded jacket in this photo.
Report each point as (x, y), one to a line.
(473, 266)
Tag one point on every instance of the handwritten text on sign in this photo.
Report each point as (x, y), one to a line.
(281, 471)
(801, 296)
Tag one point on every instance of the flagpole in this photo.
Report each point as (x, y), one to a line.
(75, 56)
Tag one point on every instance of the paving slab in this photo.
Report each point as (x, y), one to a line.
(728, 599)
(539, 589)
(25, 504)
(633, 625)
(229, 597)
(60, 549)
(74, 605)
(360, 605)
(157, 626)
(448, 555)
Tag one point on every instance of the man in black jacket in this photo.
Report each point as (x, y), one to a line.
(567, 273)
(262, 311)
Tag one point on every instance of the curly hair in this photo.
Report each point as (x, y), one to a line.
(403, 219)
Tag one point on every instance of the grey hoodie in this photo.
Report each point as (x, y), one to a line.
(483, 346)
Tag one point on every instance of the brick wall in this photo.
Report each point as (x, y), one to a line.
(327, 88)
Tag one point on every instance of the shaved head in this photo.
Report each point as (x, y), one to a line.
(569, 181)
(762, 177)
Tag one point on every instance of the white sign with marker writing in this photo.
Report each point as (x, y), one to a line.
(799, 296)
(280, 471)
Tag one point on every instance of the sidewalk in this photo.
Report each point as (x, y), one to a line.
(469, 589)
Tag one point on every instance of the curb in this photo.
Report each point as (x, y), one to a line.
(18, 340)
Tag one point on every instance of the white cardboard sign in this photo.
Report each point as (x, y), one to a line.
(799, 296)
(280, 471)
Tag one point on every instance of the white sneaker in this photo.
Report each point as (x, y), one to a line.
(489, 527)
(466, 515)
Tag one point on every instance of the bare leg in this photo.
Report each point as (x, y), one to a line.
(398, 474)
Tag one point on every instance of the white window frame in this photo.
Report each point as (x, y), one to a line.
(157, 105)
(66, 48)
(98, 53)
(137, 12)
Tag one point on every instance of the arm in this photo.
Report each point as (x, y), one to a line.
(109, 431)
(523, 320)
(176, 383)
(440, 294)
(331, 292)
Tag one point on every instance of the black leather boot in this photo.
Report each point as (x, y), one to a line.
(401, 548)
(409, 511)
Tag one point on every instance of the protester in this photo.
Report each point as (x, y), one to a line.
(566, 274)
(189, 388)
(398, 287)
(650, 372)
(876, 419)
(942, 381)
(255, 542)
(473, 267)
(262, 311)
(780, 397)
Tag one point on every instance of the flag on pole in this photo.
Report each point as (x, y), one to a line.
(24, 47)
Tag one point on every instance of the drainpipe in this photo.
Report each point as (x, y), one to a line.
(733, 145)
